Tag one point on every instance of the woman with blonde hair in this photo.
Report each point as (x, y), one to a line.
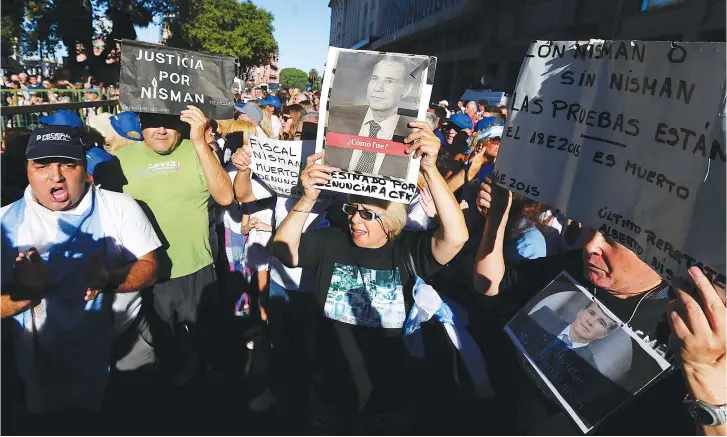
(112, 140)
(366, 276)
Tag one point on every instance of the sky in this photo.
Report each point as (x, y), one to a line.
(301, 30)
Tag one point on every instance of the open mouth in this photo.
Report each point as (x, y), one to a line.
(357, 233)
(58, 194)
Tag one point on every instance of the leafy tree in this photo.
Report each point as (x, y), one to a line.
(77, 24)
(293, 78)
(314, 80)
(227, 28)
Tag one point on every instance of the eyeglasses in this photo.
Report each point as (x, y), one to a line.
(286, 117)
(365, 214)
(494, 140)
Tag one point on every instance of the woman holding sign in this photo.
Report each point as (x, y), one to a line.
(365, 279)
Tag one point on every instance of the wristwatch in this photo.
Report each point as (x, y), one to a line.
(705, 413)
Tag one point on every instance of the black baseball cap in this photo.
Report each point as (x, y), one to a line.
(56, 142)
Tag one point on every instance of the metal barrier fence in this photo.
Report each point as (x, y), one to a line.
(29, 116)
(22, 97)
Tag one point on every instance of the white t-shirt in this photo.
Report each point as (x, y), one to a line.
(232, 214)
(63, 345)
(258, 255)
(260, 132)
(277, 126)
(297, 278)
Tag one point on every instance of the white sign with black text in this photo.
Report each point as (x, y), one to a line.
(626, 137)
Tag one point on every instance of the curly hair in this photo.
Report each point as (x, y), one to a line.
(524, 213)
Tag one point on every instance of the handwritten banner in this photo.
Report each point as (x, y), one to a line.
(365, 143)
(372, 186)
(164, 80)
(278, 165)
(626, 137)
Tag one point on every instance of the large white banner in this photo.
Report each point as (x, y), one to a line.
(627, 137)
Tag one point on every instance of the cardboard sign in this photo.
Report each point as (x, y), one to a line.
(626, 137)
(164, 80)
(582, 355)
(367, 101)
(278, 165)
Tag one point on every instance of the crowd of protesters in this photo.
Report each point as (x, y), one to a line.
(134, 246)
(33, 89)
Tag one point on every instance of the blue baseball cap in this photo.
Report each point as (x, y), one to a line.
(62, 117)
(272, 101)
(486, 122)
(127, 125)
(460, 120)
(94, 157)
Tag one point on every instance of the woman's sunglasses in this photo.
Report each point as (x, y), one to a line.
(286, 117)
(365, 214)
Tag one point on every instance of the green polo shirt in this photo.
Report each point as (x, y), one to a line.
(173, 192)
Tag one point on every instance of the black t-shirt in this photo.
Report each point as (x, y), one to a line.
(365, 295)
(657, 410)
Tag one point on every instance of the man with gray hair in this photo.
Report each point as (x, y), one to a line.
(390, 82)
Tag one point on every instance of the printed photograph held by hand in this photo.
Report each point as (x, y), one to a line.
(574, 348)
(372, 99)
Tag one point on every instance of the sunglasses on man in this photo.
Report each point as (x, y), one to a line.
(365, 214)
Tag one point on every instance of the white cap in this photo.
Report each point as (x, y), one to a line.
(443, 102)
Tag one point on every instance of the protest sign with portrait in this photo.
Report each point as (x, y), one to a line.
(164, 80)
(626, 137)
(581, 354)
(368, 100)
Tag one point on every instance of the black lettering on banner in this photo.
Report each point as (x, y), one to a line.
(509, 134)
(555, 142)
(659, 179)
(608, 160)
(677, 54)
(665, 134)
(525, 105)
(550, 50)
(718, 279)
(382, 188)
(625, 83)
(576, 113)
(605, 50)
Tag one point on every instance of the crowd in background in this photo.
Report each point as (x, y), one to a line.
(211, 266)
(33, 89)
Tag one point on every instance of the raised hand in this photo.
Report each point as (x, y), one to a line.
(241, 159)
(493, 199)
(699, 338)
(198, 124)
(425, 144)
(315, 174)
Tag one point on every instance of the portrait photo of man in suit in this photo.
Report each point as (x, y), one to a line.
(590, 324)
(383, 116)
